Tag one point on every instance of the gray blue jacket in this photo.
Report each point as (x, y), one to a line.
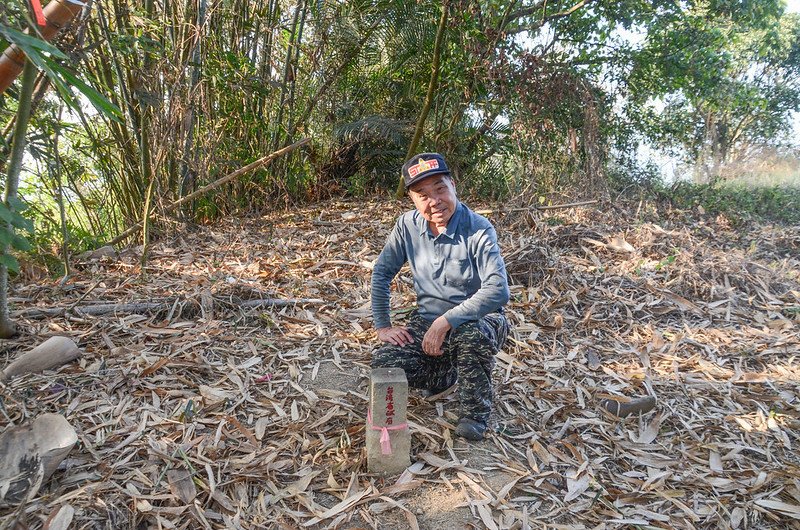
(459, 273)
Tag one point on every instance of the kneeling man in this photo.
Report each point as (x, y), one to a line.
(461, 286)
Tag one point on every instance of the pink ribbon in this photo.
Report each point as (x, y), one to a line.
(386, 444)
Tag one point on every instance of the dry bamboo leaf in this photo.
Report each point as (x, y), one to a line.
(486, 515)
(783, 508)
(212, 396)
(244, 430)
(576, 487)
(340, 507)
(261, 427)
(715, 462)
(144, 506)
(150, 370)
(618, 244)
(542, 453)
(649, 433)
(181, 485)
(332, 481)
(224, 501)
(60, 518)
(501, 495)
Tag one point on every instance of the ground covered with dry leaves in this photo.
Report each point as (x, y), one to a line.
(212, 414)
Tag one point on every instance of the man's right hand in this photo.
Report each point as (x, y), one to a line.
(397, 335)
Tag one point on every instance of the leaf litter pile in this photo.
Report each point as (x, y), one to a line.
(217, 409)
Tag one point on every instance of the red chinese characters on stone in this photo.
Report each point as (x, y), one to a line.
(389, 405)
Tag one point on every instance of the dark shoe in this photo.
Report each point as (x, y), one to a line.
(435, 393)
(471, 429)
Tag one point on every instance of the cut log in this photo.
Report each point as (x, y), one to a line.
(52, 353)
(57, 14)
(30, 453)
(626, 408)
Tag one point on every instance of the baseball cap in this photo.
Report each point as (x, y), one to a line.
(422, 166)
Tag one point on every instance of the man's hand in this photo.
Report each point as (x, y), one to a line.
(397, 335)
(432, 342)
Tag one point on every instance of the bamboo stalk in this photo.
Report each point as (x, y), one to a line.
(7, 327)
(565, 206)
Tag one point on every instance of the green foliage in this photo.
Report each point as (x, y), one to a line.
(668, 260)
(727, 75)
(12, 227)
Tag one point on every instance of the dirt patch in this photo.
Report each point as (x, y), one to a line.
(327, 375)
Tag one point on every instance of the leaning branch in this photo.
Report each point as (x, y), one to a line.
(217, 183)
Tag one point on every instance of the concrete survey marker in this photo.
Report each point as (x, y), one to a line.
(388, 436)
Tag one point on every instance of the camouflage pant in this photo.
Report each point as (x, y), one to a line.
(468, 357)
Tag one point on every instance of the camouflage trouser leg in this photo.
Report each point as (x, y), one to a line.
(422, 370)
(468, 357)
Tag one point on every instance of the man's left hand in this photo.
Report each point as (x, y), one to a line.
(432, 342)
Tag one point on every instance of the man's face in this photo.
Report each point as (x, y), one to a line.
(435, 198)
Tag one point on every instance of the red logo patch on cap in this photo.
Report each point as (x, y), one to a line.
(422, 166)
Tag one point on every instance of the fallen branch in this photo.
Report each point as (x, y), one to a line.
(52, 353)
(538, 208)
(153, 307)
(205, 189)
(626, 408)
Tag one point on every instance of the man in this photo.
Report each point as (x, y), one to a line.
(461, 286)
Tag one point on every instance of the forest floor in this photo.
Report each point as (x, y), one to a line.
(265, 408)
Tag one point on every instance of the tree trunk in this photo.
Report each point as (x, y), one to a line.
(437, 52)
(60, 198)
(145, 155)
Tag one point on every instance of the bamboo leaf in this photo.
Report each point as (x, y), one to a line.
(10, 262)
(98, 100)
(30, 45)
(20, 243)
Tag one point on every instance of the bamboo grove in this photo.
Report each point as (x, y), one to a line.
(520, 96)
